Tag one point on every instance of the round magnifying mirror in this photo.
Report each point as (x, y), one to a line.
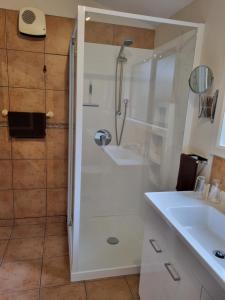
(201, 79)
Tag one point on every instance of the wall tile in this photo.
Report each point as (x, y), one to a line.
(57, 143)
(3, 68)
(57, 101)
(141, 37)
(17, 41)
(4, 102)
(56, 202)
(29, 203)
(6, 169)
(57, 72)
(101, 33)
(6, 222)
(58, 43)
(56, 173)
(26, 69)
(28, 100)
(32, 149)
(5, 144)
(6, 204)
(5, 232)
(218, 170)
(29, 174)
(2, 29)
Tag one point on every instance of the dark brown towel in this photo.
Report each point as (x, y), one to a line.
(187, 173)
(27, 125)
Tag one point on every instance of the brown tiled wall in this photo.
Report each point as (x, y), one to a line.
(218, 170)
(33, 173)
(104, 33)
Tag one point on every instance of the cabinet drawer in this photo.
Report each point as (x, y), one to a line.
(163, 281)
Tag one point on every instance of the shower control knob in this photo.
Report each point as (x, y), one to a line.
(103, 137)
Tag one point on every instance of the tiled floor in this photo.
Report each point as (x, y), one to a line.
(34, 265)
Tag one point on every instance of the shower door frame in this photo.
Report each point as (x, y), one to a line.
(75, 274)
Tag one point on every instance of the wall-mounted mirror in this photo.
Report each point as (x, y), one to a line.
(201, 79)
(200, 82)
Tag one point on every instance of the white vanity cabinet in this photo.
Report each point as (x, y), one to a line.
(162, 277)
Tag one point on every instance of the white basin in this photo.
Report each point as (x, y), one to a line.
(201, 226)
(123, 156)
(204, 223)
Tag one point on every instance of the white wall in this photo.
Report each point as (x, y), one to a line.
(64, 8)
(212, 13)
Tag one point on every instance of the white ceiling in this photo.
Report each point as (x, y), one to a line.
(158, 8)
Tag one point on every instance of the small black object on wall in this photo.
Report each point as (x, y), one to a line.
(27, 125)
(188, 171)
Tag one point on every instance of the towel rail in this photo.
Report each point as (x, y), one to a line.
(49, 114)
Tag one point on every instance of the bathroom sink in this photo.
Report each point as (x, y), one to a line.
(200, 225)
(123, 156)
(203, 223)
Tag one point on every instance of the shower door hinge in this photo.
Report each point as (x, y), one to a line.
(73, 41)
(70, 222)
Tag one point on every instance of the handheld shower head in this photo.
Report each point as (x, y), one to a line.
(126, 43)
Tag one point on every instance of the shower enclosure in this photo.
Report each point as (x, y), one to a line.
(130, 118)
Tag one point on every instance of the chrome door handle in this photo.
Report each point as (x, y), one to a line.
(172, 271)
(155, 246)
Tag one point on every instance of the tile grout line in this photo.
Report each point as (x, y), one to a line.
(131, 292)
(42, 262)
(42, 259)
(85, 288)
(9, 105)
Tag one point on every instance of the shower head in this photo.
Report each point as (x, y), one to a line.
(126, 43)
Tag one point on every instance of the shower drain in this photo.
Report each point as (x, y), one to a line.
(112, 240)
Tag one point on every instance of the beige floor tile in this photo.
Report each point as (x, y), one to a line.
(74, 291)
(20, 276)
(28, 231)
(55, 271)
(56, 246)
(133, 282)
(5, 232)
(108, 289)
(24, 249)
(25, 295)
(56, 229)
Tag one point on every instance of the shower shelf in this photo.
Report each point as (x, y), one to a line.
(123, 156)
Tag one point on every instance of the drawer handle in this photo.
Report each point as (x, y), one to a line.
(155, 246)
(172, 271)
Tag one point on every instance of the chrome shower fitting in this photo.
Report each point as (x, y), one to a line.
(121, 59)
